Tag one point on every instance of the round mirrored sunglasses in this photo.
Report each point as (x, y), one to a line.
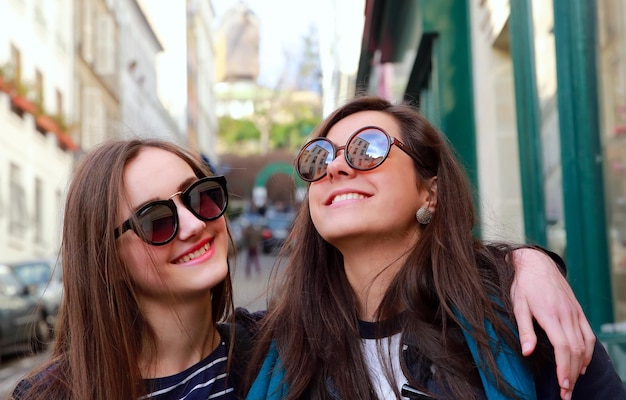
(365, 150)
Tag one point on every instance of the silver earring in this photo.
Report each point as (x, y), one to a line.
(424, 216)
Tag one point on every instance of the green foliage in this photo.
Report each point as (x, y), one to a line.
(289, 136)
(62, 123)
(292, 136)
(233, 131)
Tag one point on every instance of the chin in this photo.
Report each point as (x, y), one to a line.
(337, 238)
(221, 272)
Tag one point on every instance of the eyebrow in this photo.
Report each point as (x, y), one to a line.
(186, 183)
(181, 188)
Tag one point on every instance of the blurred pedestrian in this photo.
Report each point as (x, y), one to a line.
(252, 238)
(387, 294)
(146, 280)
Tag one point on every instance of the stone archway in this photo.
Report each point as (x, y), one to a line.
(259, 191)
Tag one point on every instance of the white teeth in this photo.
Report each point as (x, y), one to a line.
(347, 196)
(195, 254)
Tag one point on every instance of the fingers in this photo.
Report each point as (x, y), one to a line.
(564, 368)
(527, 336)
(570, 349)
(590, 340)
(566, 374)
(566, 394)
(576, 352)
(541, 292)
(572, 345)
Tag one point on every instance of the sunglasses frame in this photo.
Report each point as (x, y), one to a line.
(391, 140)
(132, 222)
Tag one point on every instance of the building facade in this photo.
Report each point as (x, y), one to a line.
(97, 76)
(74, 73)
(612, 112)
(141, 111)
(534, 105)
(36, 104)
(202, 129)
(339, 48)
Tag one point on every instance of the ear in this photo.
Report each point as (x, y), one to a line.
(431, 184)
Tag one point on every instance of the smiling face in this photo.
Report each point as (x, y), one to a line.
(196, 259)
(348, 206)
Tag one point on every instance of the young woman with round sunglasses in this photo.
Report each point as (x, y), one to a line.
(146, 280)
(387, 294)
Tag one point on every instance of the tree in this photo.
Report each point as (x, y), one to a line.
(284, 115)
(291, 136)
(237, 135)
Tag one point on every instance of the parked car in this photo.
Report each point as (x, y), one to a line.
(23, 326)
(44, 280)
(275, 231)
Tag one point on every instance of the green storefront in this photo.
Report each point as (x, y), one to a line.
(427, 47)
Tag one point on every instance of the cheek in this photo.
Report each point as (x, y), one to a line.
(315, 199)
(130, 249)
(220, 233)
(314, 218)
(221, 245)
(140, 259)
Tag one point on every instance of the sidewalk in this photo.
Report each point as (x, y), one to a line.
(250, 292)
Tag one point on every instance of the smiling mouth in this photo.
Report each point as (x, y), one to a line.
(347, 196)
(194, 254)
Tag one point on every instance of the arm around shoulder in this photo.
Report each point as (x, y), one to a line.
(601, 381)
(541, 292)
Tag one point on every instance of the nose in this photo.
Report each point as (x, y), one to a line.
(339, 166)
(188, 224)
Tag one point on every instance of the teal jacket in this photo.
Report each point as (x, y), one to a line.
(270, 384)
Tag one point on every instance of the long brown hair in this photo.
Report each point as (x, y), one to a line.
(101, 331)
(313, 316)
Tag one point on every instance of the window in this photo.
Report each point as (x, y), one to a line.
(93, 117)
(87, 30)
(17, 212)
(38, 217)
(40, 18)
(58, 212)
(105, 45)
(59, 106)
(39, 89)
(16, 60)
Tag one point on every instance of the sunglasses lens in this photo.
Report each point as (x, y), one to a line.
(158, 223)
(368, 149)
(207, 200)
(314, 159)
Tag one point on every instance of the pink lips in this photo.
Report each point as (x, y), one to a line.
(344, 195)
(198, 252)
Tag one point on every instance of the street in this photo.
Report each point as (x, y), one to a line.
(249, 292)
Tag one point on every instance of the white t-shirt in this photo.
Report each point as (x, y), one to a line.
(373, 350)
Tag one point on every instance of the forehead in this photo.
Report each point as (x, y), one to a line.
(154, 173)
(350, 124)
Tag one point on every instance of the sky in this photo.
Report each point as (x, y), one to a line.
(282, 24)
(168, 22)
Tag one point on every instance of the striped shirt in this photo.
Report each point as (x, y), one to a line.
(204, 380)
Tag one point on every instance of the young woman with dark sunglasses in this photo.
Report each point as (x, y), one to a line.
(387, 294)
(146, 280)
(147, 283)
